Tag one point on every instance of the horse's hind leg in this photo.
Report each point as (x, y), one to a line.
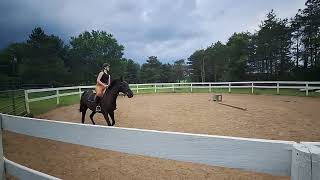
(91, 117)
(83, 114)
(106, 117)
(112, 118)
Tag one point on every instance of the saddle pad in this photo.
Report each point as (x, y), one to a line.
(91, 97)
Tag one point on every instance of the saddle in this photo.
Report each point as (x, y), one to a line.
(92, 98)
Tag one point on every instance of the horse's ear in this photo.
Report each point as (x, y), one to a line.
(121, 78)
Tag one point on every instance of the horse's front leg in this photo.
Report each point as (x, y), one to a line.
(106, 117)
(83, 115)
(91, 117)
(111, 113)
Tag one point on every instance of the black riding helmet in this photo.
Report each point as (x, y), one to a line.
(105, 65)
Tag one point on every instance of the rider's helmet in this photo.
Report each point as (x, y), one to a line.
(105, 65)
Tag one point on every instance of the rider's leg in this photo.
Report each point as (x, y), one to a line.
(98, 100)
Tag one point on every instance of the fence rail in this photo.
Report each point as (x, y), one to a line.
(300, 161)
(307, 86)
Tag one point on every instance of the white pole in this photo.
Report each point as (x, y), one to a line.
(210, 88)
(191, 87)
(80, 92)
(26, 99)
(137, 88)
(172, 87)
(315, 156)
(2, 173)
(301, 163)
(155, 88)
(307, 92)
(278, 90)
(58, 98)
(251, 88)
(229, 87)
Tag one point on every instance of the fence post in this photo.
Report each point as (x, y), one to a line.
(58, 97)
(301, 163)
(2, 173)
(137, 88)
(80, 92)
(191, 87)
(26, 101)
(278, 90)
(229, 87)
(315, 164)
(155, 88)
(209, 87)
(172, 87)
(307, 92)
(251, 88)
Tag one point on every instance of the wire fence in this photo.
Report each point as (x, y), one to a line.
(13, 102)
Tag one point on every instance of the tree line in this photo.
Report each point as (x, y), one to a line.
(281, 49)
(46, 59)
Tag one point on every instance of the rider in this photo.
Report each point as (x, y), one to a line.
(103, 81)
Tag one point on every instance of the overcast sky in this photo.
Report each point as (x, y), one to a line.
(167, 29)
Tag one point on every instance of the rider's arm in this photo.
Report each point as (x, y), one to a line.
(99, 80)
(109, 80)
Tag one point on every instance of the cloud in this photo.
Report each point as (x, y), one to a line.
(168, 29)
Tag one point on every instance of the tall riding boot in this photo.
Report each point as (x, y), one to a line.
(98, 107)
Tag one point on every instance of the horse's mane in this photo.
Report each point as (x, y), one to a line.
(114, 83)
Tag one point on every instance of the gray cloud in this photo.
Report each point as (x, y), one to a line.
(168, 29)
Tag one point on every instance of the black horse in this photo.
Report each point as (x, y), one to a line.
(108, 101)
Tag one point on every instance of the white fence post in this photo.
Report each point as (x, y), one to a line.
(191, 87)
(251, 88)
(26, 99)
(305, 162)
(210, 87)
(301, 163)
(58, 97)
(315, 164)
(2, 173)
(229, 87)
(80, 92)
(315, 156)
(307, 92)
(278, 90)
(155, 88)
(172, 87)
(137, 88)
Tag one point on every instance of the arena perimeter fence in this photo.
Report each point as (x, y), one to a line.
(306, 87)
(300, 160)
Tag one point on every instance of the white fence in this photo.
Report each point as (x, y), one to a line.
(155, 87)
(300, 161)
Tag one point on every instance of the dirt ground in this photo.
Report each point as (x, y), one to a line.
(267, 117)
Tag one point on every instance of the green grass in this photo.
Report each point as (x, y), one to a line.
(43, 106)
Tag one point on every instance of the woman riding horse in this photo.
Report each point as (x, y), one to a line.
(108, 101)
(103, 82)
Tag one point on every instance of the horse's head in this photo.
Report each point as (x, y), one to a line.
(118, 85)
(125, 89)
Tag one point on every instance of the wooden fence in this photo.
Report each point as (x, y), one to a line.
(155, 87)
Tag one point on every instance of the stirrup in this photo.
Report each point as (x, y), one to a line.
(98, 109)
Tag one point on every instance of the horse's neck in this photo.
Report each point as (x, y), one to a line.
(112, 94)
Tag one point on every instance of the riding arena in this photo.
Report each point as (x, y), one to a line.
(231, 130)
